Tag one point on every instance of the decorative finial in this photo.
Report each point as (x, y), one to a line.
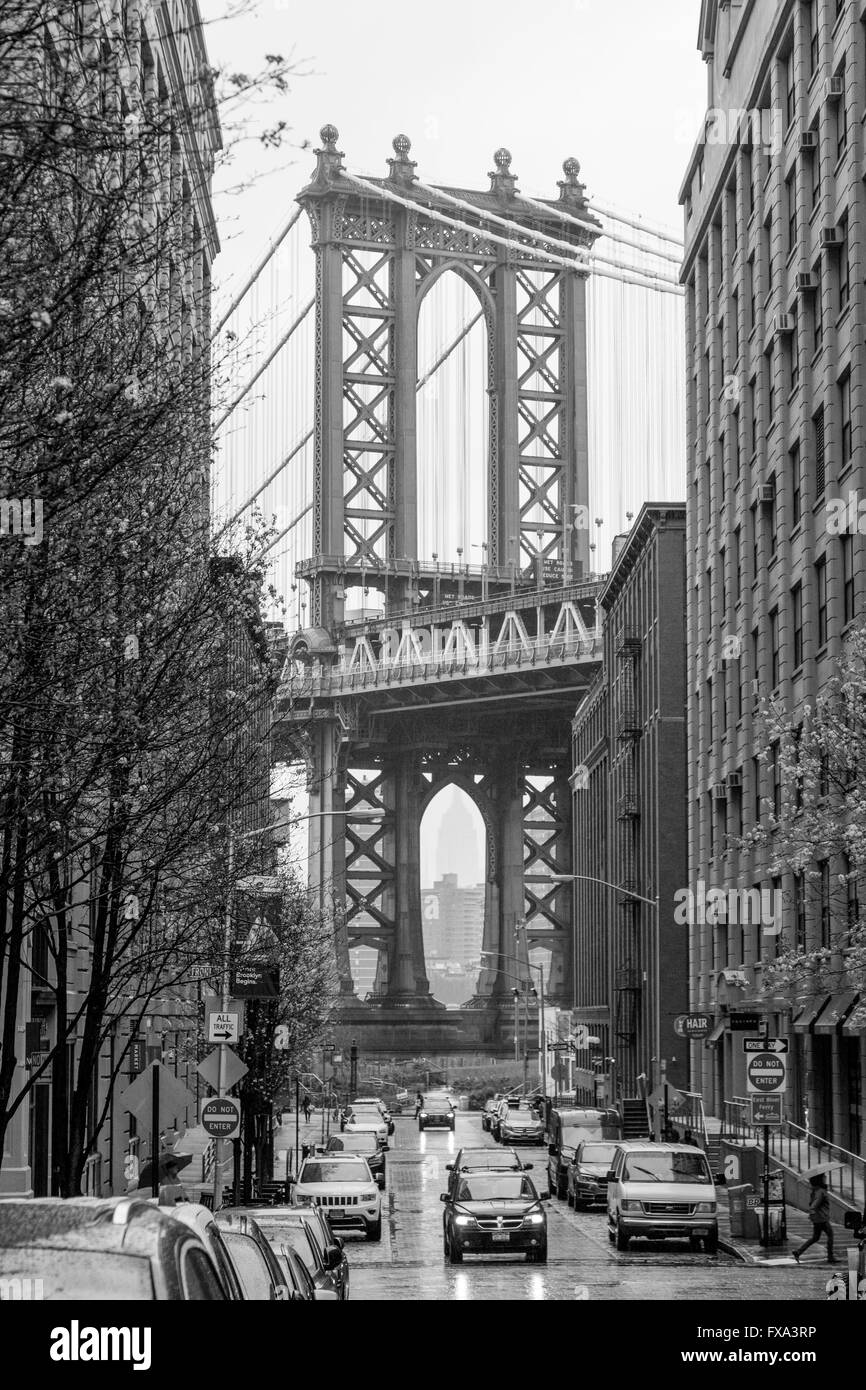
(329, 135)
(502, 182)
(571, 168)
(571, 190)
(402, 168)
(329, 158)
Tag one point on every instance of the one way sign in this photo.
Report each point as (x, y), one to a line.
(765, 1044)
(223, 1027)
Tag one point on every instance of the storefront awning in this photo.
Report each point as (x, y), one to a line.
(835, 1010)
(850, 1029)
(717, 1033)
(809, 1012)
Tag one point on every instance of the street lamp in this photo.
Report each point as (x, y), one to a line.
(539, 994)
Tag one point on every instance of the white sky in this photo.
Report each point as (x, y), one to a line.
(618, 83)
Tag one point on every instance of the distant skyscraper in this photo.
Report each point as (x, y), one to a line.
(459, 847)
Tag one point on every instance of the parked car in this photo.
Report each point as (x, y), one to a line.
(370, 1103)
(487, 1114)
(495, 1160)
(202, 1220)
(436, 1114)
(261, 1275)
(90, 1248)
(302, 1288)
(587, 1174)
(367, 1117)
(662, 1191)
(568, 1128)
(306, 1231)
(491, 1212)
(520, 1127)
(343, 1186)
(362, 1142)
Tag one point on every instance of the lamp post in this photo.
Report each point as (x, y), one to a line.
(539, 993)
(650, 902)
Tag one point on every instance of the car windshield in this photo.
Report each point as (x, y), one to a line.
(522, 1117)
(295, 1235)
(494, 1187)
(597, 1153)
(335, 1170)
(362, 1143)
(490, 1158)
(438, 1107)
(368, 1113)
(667, 1167)
(64, 1274)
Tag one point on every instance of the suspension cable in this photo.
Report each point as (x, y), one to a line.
(273, 245)
(267, 362)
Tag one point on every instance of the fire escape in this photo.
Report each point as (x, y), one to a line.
(626, 973)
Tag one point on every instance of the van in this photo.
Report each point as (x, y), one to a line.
(568, 1128)
(663, 1192)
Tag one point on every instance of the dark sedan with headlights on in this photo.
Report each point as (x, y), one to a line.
(488, 1212)
(436, 1114)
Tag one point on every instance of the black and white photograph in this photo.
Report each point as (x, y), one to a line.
(432, 676)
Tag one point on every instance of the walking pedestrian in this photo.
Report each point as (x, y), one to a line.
(689, 1138)
(306, 1108)
(819, 1215)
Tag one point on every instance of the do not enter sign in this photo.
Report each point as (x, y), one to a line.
(767, 1073)
(221, 1117)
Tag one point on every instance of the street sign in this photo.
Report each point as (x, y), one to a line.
(255, 980)
(199, 972)
(765, 1044)
(692, 1025)
(744, 1023)
(766, 1110)
(174, 1098)
(766, 1073)
(233, 1068)
(137, 1055)
(755, 1200)
(223, 1027)
(580, 1037)
(221, 1117)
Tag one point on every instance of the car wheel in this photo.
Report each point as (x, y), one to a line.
(420, 1127)
(570, 1199)
(694, 1242)
(621, 1238)
(711, 1243)
(562, 1190)
(374, 1230)
(538, 1257)
(455, 1256)
(611, 1235)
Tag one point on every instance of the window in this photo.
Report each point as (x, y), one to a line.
(842, 118)
(815, 172)
(753, 417)
(845, 416)
(821, 586)
(775, 939)
(770, 518)
(774, 648)
(848, 600)
(790, 88)
(723, 585)
(796, 493)
(791, 195)
(738, 566)
(775, 763)
(818, 425)
(844, 265)
(824, 868)
(800, 910)
(797, 620)
(735, 443)
(750, 288)
(818, 311)
(814, 38)
(768, 252)
(756, 790)
(708, 710)
(797, 739)
(754, 515)
(795, 350)
(770, 370)
(735, 328)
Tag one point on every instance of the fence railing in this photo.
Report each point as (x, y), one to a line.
(801, 1150)
(91, 1179)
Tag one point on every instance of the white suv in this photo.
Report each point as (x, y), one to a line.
(345, 1189)
(662, 1191)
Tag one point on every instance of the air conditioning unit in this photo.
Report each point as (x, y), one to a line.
(834, 89)
(734, 780)
(720, 791)
(783, 323)
(808, 139)
(806, 280)
(756, 689)
(765, 493)
(831, 237)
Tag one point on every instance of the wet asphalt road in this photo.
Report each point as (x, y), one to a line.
(409, 1265)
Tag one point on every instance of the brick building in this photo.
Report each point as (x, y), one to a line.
(774, 272)
(630, 960)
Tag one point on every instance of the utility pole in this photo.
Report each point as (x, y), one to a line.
(221, 1080)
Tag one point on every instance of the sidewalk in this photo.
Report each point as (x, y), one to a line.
(799, 1230)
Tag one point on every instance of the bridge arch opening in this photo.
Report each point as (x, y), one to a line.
(453, 424)
(453, 858)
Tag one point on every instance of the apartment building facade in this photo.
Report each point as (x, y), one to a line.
(628, 802)
(774, 271)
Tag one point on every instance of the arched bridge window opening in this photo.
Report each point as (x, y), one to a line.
(453, 857)
(452, 425)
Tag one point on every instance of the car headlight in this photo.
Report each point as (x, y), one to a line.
(464, 1221)
(423, 1115)
(631, 1206)
(304, 1199)
(371, 1196)
(705, 1209)
(534, 1218)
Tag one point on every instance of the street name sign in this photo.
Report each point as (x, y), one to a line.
(766, 1110)
(765, 1044)
(766, 1073)
(221, 1117)
(692, 1025)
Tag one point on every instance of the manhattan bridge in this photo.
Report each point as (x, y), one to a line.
(444, 623)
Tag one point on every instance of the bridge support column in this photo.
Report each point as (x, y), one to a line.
(407, 976)
(327, 842)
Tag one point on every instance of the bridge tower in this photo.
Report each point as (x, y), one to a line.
(470, 674)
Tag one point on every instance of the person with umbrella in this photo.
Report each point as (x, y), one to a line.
(169, 1166)
(819, 1215)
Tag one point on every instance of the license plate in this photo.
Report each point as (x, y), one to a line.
(502, 1235)
(336, 1211)
(701, 1231)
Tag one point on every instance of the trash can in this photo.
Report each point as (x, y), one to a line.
(462, 1102)
(740, 1214)
(775, 1227)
